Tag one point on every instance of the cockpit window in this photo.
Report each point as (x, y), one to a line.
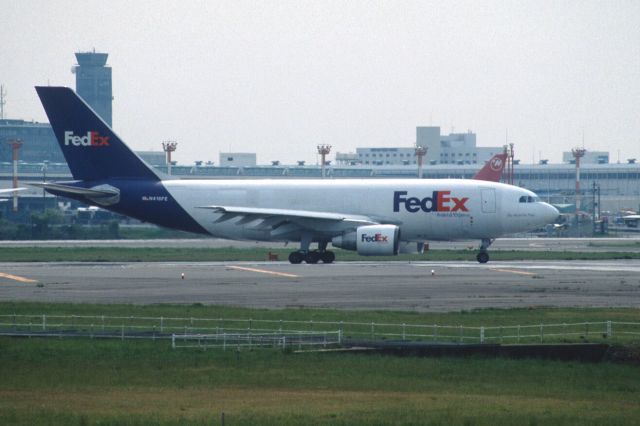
(529, 199)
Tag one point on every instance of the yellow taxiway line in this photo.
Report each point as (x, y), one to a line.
(263, 271)
(17, 278)
(513, 271)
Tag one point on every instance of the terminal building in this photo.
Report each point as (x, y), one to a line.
(455, 155)
(154, 158)
(454, 148)
(240, 159)
(590, 157)
(39, 143)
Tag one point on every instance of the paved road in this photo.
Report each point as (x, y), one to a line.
(362, 285)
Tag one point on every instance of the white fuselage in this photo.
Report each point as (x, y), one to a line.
(461, 209)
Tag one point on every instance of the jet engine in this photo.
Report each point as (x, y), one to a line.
(372, 240)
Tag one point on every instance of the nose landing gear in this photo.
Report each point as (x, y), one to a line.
(483, 256)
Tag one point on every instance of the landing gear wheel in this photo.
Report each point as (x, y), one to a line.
(296, 257)
(312, 257)
(483, 257)
(328, 257)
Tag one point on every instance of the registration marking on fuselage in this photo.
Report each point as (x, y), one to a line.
(17, 278)
(263, 271)
(513, 271)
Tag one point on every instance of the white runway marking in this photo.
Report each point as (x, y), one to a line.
(263, 271)
(512, 271)
(17, 278)
(576, 265)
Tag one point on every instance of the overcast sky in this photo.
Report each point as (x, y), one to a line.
(277, 78)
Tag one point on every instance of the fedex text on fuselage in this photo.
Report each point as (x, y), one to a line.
(440, 201)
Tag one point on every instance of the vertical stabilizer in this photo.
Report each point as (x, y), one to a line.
(492, 171)
(92, 150)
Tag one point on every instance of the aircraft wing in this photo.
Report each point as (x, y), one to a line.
(285, 221)
(305, 214)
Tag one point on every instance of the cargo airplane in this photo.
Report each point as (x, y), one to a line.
(369, 216)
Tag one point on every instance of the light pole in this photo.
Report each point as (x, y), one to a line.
(15, 145)
(420, 151)
(323, 150)
(44, 180)
(169, 147)
(578, 153)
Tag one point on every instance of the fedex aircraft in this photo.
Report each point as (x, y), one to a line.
(369, 216)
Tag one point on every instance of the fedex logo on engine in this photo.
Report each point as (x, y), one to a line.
(440, 201)
(377, 238)
(90, 139)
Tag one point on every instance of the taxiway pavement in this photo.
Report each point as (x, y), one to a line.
(393, 285)
(526, 244)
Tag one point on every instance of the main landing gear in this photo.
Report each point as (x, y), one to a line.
(483, 256)
(312, 256)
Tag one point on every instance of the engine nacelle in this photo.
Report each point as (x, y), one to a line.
(372, 240)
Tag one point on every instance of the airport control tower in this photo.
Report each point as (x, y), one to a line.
(93, 82)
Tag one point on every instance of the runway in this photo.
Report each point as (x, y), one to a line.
(454, 286)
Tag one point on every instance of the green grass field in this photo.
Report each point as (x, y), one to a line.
(87, 382)
(129, 254)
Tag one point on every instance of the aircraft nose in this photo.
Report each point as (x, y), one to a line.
(551, 213)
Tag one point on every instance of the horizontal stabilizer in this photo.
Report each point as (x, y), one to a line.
(75, 190)
(10, 190)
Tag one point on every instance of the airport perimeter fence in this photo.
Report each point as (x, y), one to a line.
(243, 331)
(323, 339)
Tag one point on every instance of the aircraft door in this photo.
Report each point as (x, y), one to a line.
(488, 200)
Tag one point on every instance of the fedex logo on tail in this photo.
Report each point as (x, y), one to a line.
(90, 139)
(440, 201)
